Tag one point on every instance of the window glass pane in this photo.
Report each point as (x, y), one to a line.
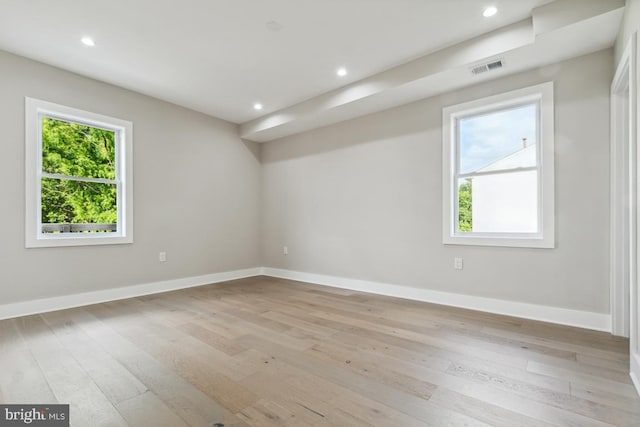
(74, 202)
(502, 139)
(465, 201)
(77, 150)
(503, 203)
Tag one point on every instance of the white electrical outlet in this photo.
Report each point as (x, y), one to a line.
(162, 257)
(457, 263)
(285, 250)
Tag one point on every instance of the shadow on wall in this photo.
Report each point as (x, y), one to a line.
(409, 119)
(424, 116)
(253, 147)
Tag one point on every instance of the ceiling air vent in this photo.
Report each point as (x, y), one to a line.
(490, 66)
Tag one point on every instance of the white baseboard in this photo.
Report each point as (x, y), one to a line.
(563, 316)
(77, 300)
(635, 371)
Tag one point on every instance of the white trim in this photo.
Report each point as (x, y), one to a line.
(545, 236)
(623, 210)
(625, 256)
(635, 371)
(35, 109)
(77, 300)
(563, 316)
(634, 291)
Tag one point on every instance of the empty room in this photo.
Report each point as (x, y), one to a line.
(319, 213)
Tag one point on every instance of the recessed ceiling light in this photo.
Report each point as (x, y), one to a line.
(88, 41)
(490, 11)
(341, 71)
(257, 106)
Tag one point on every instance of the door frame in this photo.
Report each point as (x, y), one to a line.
(625, 158)
(623, 207)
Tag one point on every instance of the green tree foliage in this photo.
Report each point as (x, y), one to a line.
(75, 150)
(465, 220)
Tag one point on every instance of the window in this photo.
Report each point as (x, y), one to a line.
(498, 185)
(78, 177)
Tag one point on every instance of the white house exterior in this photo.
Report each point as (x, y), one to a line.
(507, 202)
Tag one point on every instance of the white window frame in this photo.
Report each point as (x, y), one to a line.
(545, 236)
(35, 111)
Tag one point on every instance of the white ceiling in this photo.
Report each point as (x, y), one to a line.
(555, 32)
(219, 57)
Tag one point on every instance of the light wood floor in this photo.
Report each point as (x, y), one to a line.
(266, 352)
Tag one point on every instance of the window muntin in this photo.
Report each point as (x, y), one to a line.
(498, 170)
(79, 177)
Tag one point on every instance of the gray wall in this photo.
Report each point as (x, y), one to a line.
(362, 199)
(196, 190)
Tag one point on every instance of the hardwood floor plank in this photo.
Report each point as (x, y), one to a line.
(155, 412)
(614, 400)
(189, 403)
(367, 388)
(411, 360)
(313, 385)
(600, 383)
(314, 329)
(188, 357)
(614, 355)
(560, 400)
(359, 363)
(327, 370)
(113, 379)
(405, 337)
(491, 414)
(211, 338)
(68, 380)
(576, 336)
(518, 404)
(22, 381)
(265, 413)
(591, 362)
(274, 352)
(273, 383)
(513, 346)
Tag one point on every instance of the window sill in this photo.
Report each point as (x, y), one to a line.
(536, 241)
(88, 240)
